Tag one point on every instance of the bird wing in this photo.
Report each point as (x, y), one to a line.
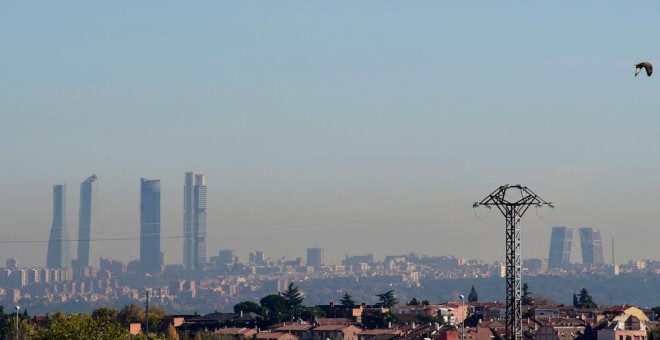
(637, 69)
(649, 69)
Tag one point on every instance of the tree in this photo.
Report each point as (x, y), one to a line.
(426, 303)
(585, 300)
(387, 299)
(105, 313)
(473, 296)
(378, 319)
(275, 306)
(131, 314)
(526, 299)
(347, 301)
(576, 302)
(247, 307)
(170, 333)
(80, 327)
(294, 299)
(414, 302)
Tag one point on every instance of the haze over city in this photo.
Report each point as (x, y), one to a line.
(365, 127)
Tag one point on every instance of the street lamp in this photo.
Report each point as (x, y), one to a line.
(17, 308)
(463, 315)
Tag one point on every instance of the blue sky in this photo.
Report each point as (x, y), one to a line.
(310, 116)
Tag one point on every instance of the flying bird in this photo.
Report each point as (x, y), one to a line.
(644, 65)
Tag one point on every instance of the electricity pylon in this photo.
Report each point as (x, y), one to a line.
(513, 201)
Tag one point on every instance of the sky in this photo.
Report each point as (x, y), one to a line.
(356, 126)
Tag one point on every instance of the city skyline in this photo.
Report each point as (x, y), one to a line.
(370, 125)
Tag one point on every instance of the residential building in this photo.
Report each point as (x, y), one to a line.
(150, 255)
(561, 240)
(59, 252)
(88, 250)
(194, 221)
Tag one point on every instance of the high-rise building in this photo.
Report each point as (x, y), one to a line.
(88, 250)
(59, 252)
(561, 241)
(315, 257)
(150, 256)
(591, 245)
(194, 221)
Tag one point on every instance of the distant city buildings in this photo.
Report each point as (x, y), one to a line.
(561, 240)
(59, 252)
(315, 257)
(194, 221)
(150, 255)
(592, 246)
(88, 255)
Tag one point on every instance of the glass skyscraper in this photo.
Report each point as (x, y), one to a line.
(150, 259)
(59, 252)
(194, 221)
(591, 245)
(561, 241)
(88, 250)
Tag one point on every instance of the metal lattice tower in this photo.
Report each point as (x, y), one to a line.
(513, 201)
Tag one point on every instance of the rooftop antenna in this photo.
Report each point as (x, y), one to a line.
(513, 201)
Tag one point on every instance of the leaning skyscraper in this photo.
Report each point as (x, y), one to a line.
(561, 241)
(592, 246)
(194, 221)
(59, 253)
(88, 224)
(150, 259)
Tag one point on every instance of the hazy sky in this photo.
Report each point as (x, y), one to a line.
(356, 126)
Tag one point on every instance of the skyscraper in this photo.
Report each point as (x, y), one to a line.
(591, 245)
(59, 252)
(150, 257)
(194, 221)
(88, 224)
(560, 247)
(315, 257)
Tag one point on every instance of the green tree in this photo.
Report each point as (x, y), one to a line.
(378, 319)
(526, 299)
(576, 302)
(414, 302)
(80, 327)
(275, 306)
(585, 300)
(131, 314)
(105, 313)
(247, 307)
(473, 296)
(387, 299)
(294, 299)
(347, 301)
(426, 303)
(309, 313)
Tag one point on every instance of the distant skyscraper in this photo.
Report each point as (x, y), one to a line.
(560, 247)
(194, 221)
(150, 256)
(88, 224)
(59, 252)
(591, 245)
(315, 257)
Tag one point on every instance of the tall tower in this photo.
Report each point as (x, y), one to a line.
(59, 252)
(194, 221)
(561, 240)
(592, 246)
(88, 255)
(315, 257)
(150, 257)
